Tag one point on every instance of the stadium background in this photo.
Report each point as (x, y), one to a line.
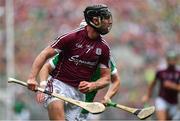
(143, 32)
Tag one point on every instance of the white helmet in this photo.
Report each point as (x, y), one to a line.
(83, 23)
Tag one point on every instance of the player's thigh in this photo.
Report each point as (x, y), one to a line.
(161, 115)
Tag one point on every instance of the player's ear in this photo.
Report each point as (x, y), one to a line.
(96, 21)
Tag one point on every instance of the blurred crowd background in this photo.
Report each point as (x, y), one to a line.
(143, 32)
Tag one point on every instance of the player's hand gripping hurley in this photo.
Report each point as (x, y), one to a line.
(94, 107)
(140, 113)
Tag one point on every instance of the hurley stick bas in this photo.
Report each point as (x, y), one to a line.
(140, 113)
(94, 107)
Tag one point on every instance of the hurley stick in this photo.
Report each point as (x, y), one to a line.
(140, 113)
(94, 107)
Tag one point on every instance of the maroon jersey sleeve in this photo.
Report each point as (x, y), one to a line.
(105, 58)
(62, 42)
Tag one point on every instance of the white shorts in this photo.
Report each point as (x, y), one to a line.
(88, 116)
(71, 111)
(162, 104)
(82, 117)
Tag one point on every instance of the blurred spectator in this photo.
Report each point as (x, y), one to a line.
(20, 108)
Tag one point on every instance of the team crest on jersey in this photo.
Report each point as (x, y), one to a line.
(98, 51)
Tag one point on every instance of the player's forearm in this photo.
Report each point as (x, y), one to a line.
(149, 93)
(39, 61)
(151, 87)
(44, 74)
(114, 87)
(45, 71)
(104, 80)
(101, 83)
(111, 91)
(171, 85)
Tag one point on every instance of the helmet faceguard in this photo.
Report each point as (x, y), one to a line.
(101, 12)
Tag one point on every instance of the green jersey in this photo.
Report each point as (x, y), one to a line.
(89, 97)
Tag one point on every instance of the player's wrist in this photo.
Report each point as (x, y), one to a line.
(43, 83)
(32, 77)
(94, 86)
(107, 98)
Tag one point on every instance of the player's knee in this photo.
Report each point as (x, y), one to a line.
(56, 106)
(56, 110)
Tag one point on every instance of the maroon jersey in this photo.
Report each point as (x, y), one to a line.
(170, 74)
(81, 55)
